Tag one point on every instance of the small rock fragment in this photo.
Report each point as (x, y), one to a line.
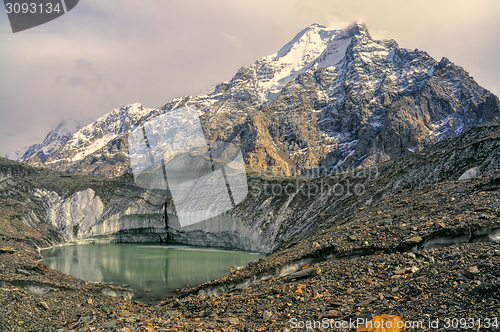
(471, 272)
(171, 314)
(309, 272)
(331, 314)
(44, 305)
(233, 321)
(21, 271)
(315, 245)
(474, 270)
(42, 267)
(5, 250)
(439, 225)
(267, 315)
(470, 174)
(411, 255)
(415, 239)
(367, 301)
(108, 324)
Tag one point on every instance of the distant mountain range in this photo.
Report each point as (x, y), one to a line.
(52, 142)
(329, 99)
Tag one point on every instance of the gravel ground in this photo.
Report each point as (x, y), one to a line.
(389, 258)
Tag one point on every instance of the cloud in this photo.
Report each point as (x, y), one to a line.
(233, 40)
(334, 22)
(85, 76)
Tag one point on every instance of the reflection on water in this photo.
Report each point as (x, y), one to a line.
(153, 271)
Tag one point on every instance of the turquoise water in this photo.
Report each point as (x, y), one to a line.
(153, 271)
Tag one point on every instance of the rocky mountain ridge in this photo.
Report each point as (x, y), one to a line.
(54, 140)
(278, 212)
(327, 99)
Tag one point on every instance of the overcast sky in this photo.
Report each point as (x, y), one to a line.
(108, 53)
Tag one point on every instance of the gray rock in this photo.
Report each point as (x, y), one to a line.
(171, 314)
(24, 272)
(471, 272)
(233, 320)
(471, 173)
(410, 255)
(415, 239)
(117, 293)
(87, 319)
(267, 315)
(474, 270)
(40, 290)
(108, 324)
(44, 305)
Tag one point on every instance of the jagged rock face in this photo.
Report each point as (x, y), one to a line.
(93, 209)
(287, 217)
(379, 103)
(327, 99)
(75, 215)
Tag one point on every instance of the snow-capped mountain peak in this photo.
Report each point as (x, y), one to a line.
(316, 46)
(327, 99)
(307, 41)
(276, 70)
(52, 141)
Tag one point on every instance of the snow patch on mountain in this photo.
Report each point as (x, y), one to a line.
(96, 145)
(18, 154)
(334, 53)
(106, 128)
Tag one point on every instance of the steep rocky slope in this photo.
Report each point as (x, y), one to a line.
(278, 212)
(425, 254)
(30, 199)
(323, 202)
(327, 99)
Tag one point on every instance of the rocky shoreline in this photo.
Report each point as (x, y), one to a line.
(400, 256)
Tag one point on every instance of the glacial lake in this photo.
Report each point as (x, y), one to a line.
(153, 271)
